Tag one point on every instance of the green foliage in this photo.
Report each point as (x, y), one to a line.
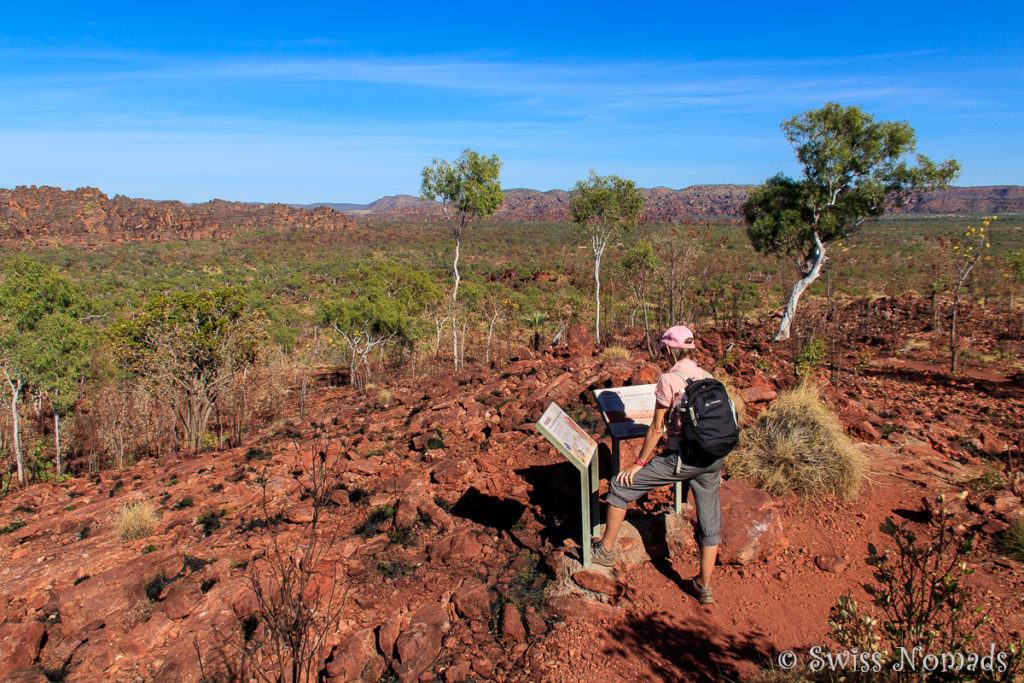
(13, 526)
(1016, 261)
(923, 600)
(369, 526)
(853, 168)
(468, 188)
(603, 206)
(209, 521)
(382, 297)
(191, 344)
(809, 357)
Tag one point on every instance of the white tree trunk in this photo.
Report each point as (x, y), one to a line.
(597, 295)
(15, 438)
(455, 267)
(56, 438)
(799, 288)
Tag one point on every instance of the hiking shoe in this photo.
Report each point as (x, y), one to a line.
(702, 593)
(605, 558)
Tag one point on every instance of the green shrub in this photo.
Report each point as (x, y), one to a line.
(798, 446)
(368, 527)
(809, 357)
(922, 599)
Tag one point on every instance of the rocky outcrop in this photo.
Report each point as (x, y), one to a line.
(696, 201)
(47, 215)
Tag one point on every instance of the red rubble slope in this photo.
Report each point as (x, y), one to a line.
(461, 583)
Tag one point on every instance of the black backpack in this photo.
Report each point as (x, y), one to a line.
(705, 417)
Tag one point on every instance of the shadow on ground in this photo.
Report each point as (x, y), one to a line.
(689, 653)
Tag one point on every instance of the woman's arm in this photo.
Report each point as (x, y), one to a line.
(625, 477)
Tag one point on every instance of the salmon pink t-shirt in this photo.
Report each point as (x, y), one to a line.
(669, 384)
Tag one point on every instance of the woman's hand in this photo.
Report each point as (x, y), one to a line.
(625, 477)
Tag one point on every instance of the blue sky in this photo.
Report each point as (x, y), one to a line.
(348, 101)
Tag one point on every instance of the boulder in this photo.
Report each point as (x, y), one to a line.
(575, 607)
(751, 528)
(356, 659)
(420, 643)
(599, 580)
(579, 342)
(512, 629)
(20, 642)
(459, 546)
(472, 600)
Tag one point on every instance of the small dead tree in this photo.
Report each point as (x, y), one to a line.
(298, 597)
(966, 254)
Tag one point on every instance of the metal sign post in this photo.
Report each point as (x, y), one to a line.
(580, 449)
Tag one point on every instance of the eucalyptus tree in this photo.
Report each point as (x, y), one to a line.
(602, 208)
(854, 168)
(468, 188)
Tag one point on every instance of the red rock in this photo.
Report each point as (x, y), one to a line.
(535, 623)
(472, 600)
(483, 667)
(26, 675)
(405, 514)
(300, 514)
(356, 659)
(1004, 501)
(458, 546)
(20, 642)
(866, 431)
(578, 341)
(833, 564)
(388, 633)
(995, 526)
(512, 628)
(420, 643)
(183, 596)
(457, 672)
(751, 528)
(646, 374)
(990, 443)
(437, 516)
(599, 582)
(919, 450)
(572, 606)
(452, 471)
(758, 395)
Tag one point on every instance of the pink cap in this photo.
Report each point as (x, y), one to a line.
(679, 337)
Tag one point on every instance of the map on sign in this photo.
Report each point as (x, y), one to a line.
(567, 436)
(627, 411)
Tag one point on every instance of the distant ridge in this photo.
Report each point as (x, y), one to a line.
(49, 215)
(696, 201)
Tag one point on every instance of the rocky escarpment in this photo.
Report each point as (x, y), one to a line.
(86, 215)
(662, 203)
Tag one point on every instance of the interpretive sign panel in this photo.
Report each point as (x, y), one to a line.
(580, 449)
(627, 411)
(567, 436)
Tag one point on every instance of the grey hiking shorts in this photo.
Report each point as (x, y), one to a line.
(704, 481)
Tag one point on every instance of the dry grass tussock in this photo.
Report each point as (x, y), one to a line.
(615, 352)
(136, 520)
(798, 446)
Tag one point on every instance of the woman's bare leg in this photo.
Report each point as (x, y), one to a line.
(613, 523)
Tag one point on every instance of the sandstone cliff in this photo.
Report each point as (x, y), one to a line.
(50, 214)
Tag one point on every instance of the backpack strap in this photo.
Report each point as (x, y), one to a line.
(689, 380)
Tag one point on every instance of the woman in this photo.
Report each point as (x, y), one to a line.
(675, 463)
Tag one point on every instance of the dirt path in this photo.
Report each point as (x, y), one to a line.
(769, 607)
